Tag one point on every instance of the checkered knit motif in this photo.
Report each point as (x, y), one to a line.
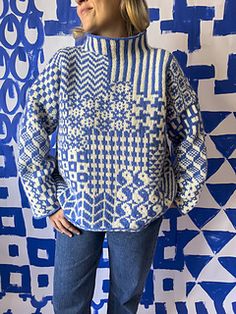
(37, 169)
(186, 131)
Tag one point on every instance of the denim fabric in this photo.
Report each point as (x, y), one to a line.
(76, 260)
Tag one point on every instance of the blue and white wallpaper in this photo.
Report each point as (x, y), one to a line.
(194, 269)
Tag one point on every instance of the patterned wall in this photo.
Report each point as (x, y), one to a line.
(194, 269)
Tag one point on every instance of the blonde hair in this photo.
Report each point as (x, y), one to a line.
(134, 13)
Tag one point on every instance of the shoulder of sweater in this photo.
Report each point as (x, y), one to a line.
(64, 54)
(168, 54)
(67, 50)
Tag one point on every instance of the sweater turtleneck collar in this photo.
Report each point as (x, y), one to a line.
(111, 46)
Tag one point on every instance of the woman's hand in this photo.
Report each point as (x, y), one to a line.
(60, 223)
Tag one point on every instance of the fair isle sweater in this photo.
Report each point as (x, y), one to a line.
(121, 109)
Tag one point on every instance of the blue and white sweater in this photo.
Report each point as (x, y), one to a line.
(114, 102)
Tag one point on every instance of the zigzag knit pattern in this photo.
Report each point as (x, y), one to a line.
(114, 102)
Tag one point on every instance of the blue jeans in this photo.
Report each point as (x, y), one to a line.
(76, 260)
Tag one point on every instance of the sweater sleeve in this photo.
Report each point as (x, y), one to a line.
(186, 131)
(37, 169)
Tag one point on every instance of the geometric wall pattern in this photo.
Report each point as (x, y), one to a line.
(194, 269)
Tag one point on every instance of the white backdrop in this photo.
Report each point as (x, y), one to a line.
(194, 269)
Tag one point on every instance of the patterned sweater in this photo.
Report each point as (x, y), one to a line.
(130, 137)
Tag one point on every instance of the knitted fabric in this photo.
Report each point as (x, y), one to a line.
(119, 107)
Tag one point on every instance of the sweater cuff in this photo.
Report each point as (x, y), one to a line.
(48, 213)
(187, 199)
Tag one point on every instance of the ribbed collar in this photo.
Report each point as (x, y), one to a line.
(111, 46)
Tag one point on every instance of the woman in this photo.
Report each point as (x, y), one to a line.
(114, 99)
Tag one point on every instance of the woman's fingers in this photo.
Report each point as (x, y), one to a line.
(66, 225)
(60, 223)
